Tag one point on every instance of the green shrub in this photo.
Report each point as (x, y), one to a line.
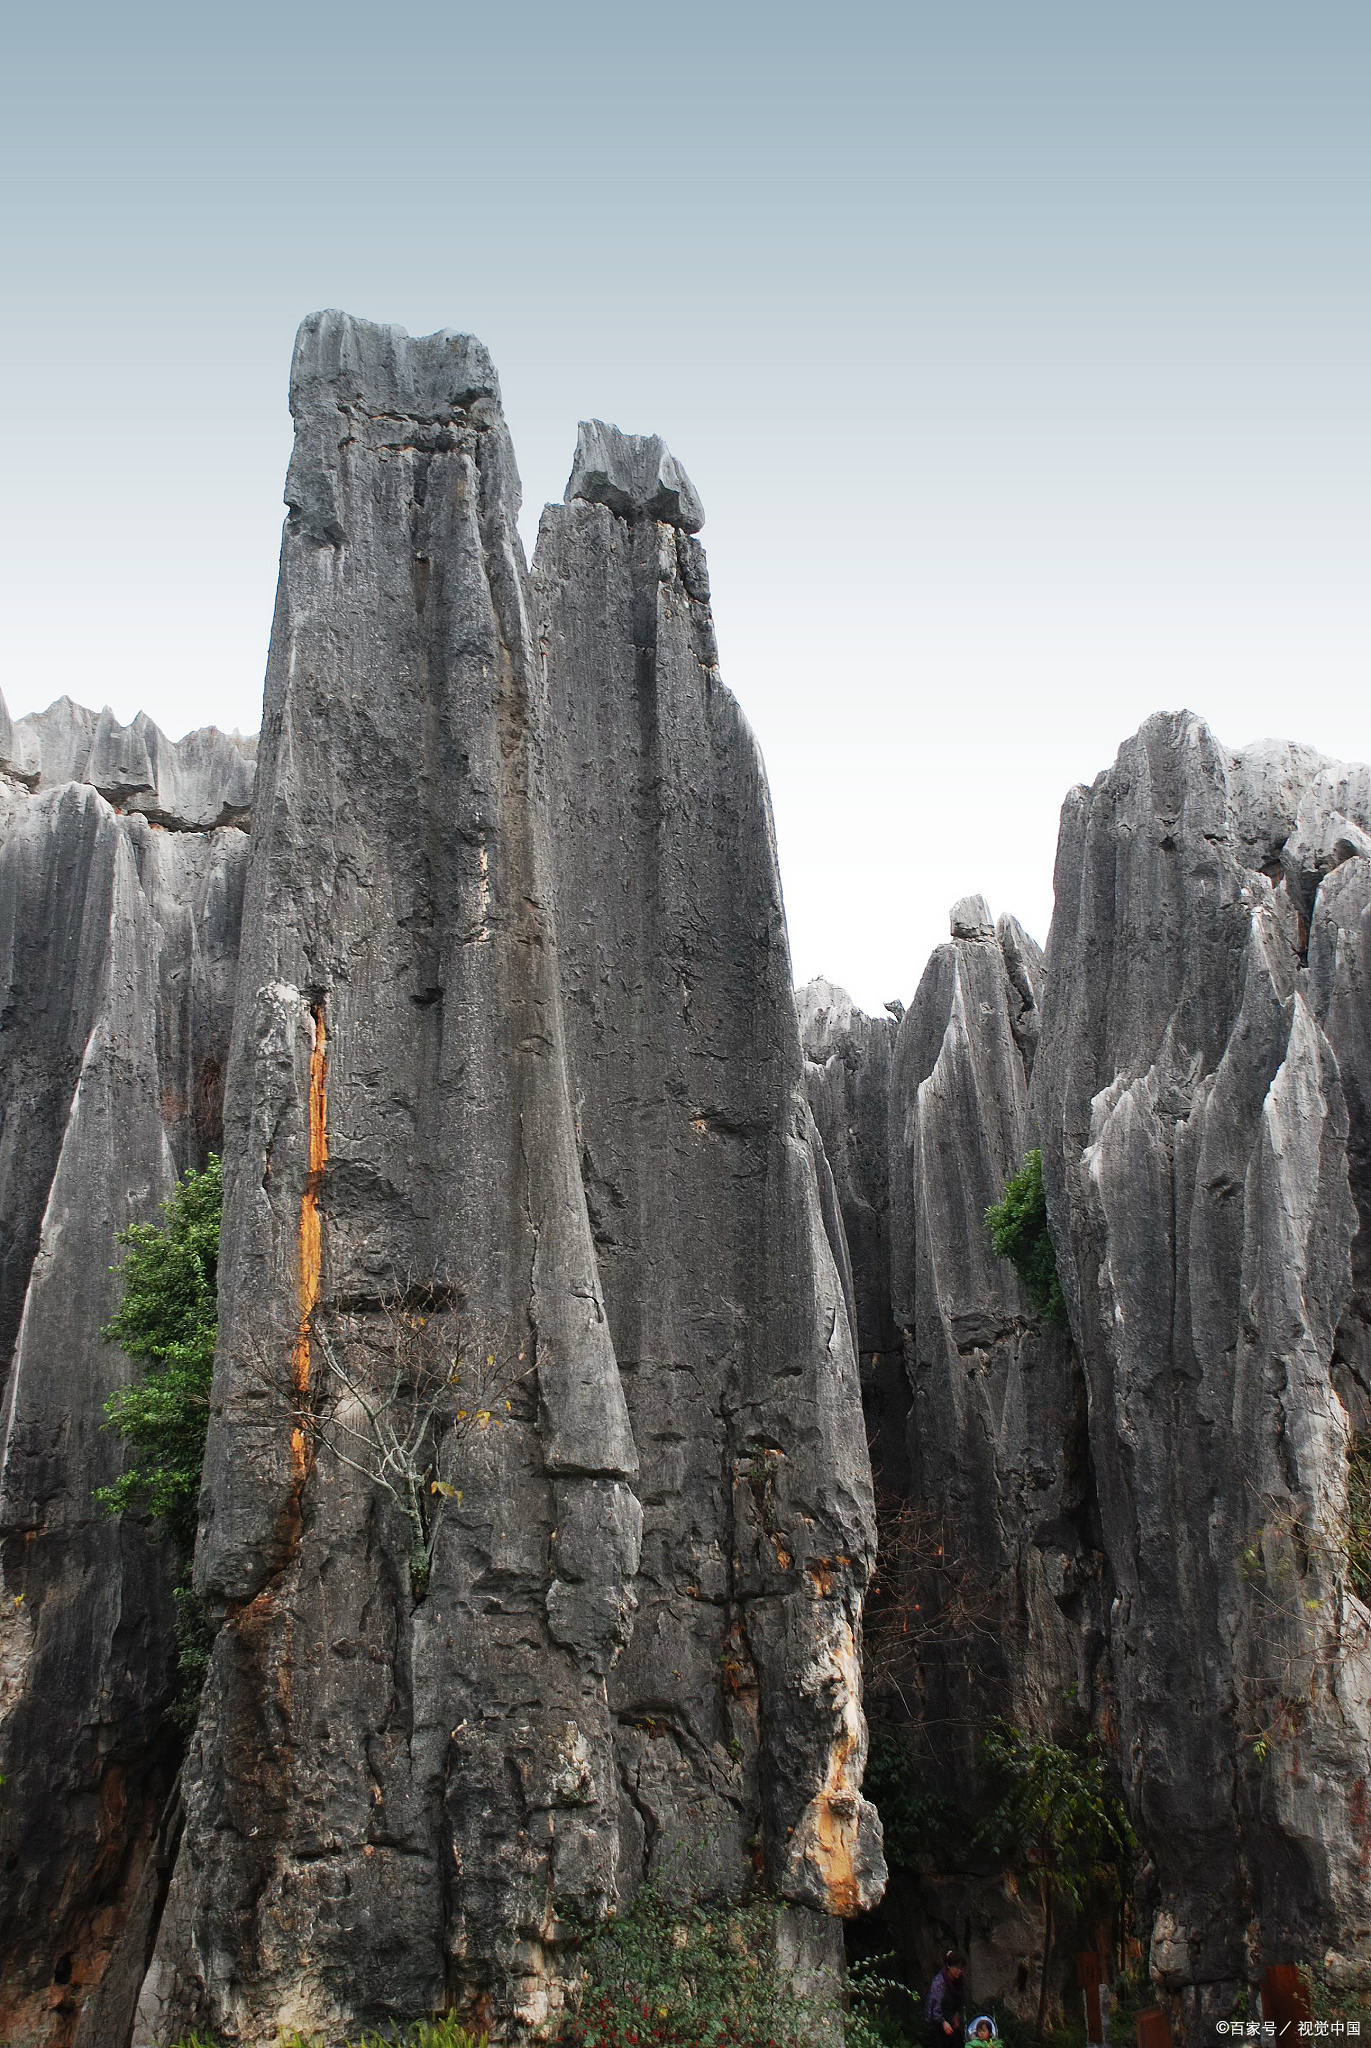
(915, 1821)
(1336, 2001)
(167, 1318)
(1059, 1820)
(438, 2033)
(1018, 1231)
(665, 1975)
(672, 1975)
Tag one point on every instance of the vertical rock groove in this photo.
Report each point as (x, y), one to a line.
(493, 1015)
(702, 1180)
(311, 1220)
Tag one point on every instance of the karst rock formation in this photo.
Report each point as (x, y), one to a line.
(477, 974)
(122, 866)
(459, 1098)
(1153, 1516)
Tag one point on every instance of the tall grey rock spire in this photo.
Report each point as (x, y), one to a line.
(705, 1179)
(395, 1802)
(1201, 1090)
(121, 888)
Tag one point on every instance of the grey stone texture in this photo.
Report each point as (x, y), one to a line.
(190, 785)
(641, 1631)
(635, 476)
(118, 944)
(1159, 1507)
(987, 1600)
(499, 993)
(721, 1264)
(1201, 1094)
(997, 1404)
(847, 1079)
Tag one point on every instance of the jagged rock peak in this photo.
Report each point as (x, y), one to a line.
(970, 919)
(829, 1019)
(360, 389)
(191, 784)
(118, 951)
(347, 364)
(1205, 1136)
(633, 474)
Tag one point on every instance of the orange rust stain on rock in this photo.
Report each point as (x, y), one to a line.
(836, 1829)
(311, 1221)
(836, 1807)
(835, 1846)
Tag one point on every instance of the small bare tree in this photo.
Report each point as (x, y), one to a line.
(438, 1385)
(925, 1595)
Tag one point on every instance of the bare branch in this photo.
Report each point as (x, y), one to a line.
(400, 1391)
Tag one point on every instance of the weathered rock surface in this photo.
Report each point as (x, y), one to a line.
(118, 943)
(635, 476)
(987, 1599)
(736, 1701)
(996, 1426)
(191, 785)
(1201, 1095)
(395, 1801)
(1196, 1062)
(520, 1121)
(847, 1078)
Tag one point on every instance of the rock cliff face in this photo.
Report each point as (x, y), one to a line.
(705, 1188)
(1201, 1093)
(559, 1260)
(986, 1601)
(118, 942)
(997, 1404)
(1166, 1506)
(403, 1784)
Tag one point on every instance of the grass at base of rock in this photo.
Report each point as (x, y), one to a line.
(440, 2033)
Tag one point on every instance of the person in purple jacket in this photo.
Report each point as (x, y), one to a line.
(946, 2003)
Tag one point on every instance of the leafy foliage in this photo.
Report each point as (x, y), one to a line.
(1336, 2001)
(672, 1975)
(1057, 1816)
(1018, 1231)
(168, 1316)
(913, 1818)
(194, 1641)
(439, 2033)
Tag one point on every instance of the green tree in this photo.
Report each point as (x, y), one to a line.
(1059, 1819)
(914, 1819)
(1018, 1231)
(700, 1973)
(166, 1319)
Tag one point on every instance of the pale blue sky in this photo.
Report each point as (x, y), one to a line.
(1018, 353)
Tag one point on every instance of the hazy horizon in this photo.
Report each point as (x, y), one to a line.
(1020, 362)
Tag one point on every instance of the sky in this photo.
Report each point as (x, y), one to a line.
(1019, 355)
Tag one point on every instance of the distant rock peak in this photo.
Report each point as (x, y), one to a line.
(193, 784)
